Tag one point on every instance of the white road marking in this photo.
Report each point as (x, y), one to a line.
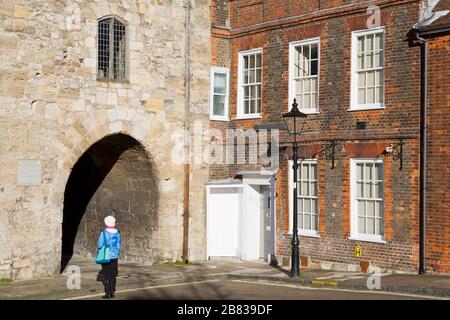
(268, 284)
(141, 289)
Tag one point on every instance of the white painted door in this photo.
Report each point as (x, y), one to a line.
(222, 221)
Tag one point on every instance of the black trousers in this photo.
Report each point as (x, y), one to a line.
(110, 271)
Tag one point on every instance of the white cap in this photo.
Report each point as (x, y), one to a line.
(110, 221)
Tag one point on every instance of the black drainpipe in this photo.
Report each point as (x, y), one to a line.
(423, 150)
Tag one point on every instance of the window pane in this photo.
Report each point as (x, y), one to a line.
(103, 48)
(378, 78)
(313, 189)
(314, 222)
(307, 225)
(378, 190)
(361, 208)
(251, 76)
(252, 106)
(378, 209)
(258, 60)
(258, 91)
(306, 52)
(371, 95)
(300, 205)
(361, 225)
(119, 50)
(360, 59)
(246, 106)
(314, 85)
(359, 189)
(361, 96)
(306, 101)
(378, 41)
(368, 171)
(258, 75)
(219, 105)
(314, 51)
(258, 105)
(370, 209)
(368, 190)
(246, 92)
(305, 188)
(307, 85)
(246, 77)
(307, 206)
(298, 86)
(360, 44)
(220, 83)
(370, 225)
(370, 79)
(362, 80)
(252, 62)
(379, 94)
(304, 172)
(314, 206)
(369, 42)
(359, 171)
(369, 60)
(314, 67)
(246, 62)
(314, 100)
(380, 226)
(378, 59)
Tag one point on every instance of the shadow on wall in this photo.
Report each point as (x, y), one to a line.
(114, 176)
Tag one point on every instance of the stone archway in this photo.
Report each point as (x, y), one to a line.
(114, 176)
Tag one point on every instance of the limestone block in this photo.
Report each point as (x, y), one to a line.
(154, 105)
(20, 11)
(51, 111)
(14, 25)
(141, 8)
(112, 98)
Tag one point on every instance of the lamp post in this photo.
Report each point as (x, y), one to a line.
(293, 115)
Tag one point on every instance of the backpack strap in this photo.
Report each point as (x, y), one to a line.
(104, 238)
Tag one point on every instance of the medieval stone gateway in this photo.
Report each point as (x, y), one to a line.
(114, 176)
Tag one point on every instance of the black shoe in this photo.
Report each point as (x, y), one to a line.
(112, 296)
(106, 296)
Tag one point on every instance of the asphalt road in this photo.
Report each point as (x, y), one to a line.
(240, 290)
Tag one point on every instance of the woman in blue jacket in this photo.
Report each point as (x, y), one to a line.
(110, 270)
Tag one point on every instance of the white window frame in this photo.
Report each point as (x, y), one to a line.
(212, 116)
(354, 106)
(292, 46)
(301, 232)
(240, 91)
(354, 235)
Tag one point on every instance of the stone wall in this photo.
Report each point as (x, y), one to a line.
(53, 108)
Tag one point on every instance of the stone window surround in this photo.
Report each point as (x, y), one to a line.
(127, 49)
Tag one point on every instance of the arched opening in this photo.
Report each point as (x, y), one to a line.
(115, 176)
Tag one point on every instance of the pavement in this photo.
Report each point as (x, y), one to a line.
(135, 276)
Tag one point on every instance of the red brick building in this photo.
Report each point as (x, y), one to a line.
(355, 71)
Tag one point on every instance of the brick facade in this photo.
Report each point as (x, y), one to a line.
(271, 25)
(438, 155)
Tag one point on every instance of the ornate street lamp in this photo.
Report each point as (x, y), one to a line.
(291, 118)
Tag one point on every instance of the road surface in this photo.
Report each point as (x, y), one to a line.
(245, 290)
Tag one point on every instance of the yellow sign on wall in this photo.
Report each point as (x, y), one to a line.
(358, 251)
